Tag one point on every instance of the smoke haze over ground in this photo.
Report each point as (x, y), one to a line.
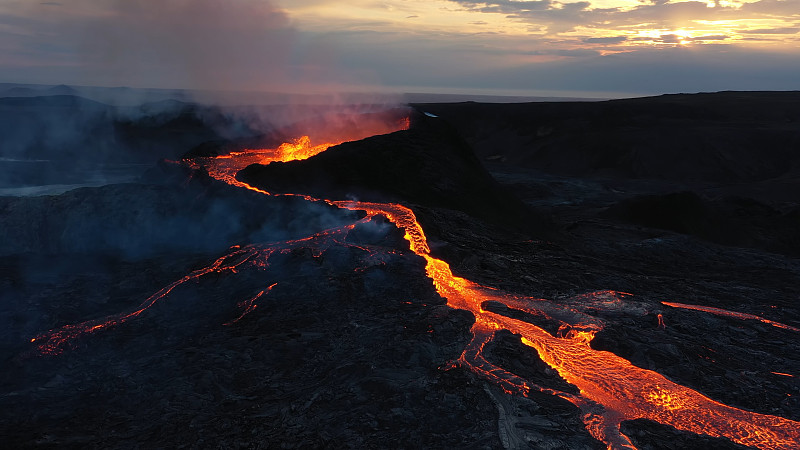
(247, 45)
(236, 72)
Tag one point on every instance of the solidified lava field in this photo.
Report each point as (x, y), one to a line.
(572, 275)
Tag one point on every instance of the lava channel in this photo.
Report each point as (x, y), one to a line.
(611, 389)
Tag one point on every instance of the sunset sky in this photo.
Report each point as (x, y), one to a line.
(541, 47)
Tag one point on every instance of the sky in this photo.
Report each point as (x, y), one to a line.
(599, 48)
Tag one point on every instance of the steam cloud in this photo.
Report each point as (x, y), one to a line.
(202, 44)
(215, 49)
(240, 45)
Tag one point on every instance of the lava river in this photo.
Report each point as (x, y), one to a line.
(611, 389)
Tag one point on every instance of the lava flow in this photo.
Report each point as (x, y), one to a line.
(54, 342)
(611, 389)
(224, 167)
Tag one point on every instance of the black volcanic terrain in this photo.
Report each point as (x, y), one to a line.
(724, 167)
(221, 317)
(428, 165)
(724, 137)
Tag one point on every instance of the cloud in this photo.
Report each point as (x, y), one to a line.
(712, 37)
(506, 6)
(675, 69)
(252, 44)
(681, 39)
(783, 30)
(200, 43)
(781, 8)
(606, 40)
(577, 52)
(536, 64)
(554, 15)
(671, 38)
(558, 17)
(204, 44)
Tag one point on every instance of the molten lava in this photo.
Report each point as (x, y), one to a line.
(224, 167)
(611, 389)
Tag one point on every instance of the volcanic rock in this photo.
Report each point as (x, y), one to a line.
(343, 352)
(428, 165)
(721, 137)
(136, 221)
(353, 347)
(735, 221)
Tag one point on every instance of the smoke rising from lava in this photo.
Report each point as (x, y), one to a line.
(186, 44)
(245, 55)
(238, 46)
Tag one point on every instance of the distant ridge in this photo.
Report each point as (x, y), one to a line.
(421, 97)
(61, 89)
(59, 100)
(128, 96)
(715, 137)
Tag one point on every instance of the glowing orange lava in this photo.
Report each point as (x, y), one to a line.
(249, 305)
(783, 374)
(56, 341)
(611, 389)
(224, 167)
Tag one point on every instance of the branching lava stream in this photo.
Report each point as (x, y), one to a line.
(612, 389)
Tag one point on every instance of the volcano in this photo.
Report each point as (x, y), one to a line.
(471, 281)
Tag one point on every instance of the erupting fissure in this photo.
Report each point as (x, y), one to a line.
(611, 389)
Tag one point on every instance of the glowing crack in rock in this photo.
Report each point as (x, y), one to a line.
(734, 314)
(611, 389)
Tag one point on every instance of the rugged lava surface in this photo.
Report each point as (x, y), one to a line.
(321, 329)
(430, 165)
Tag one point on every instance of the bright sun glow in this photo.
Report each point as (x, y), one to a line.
(610, 24)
